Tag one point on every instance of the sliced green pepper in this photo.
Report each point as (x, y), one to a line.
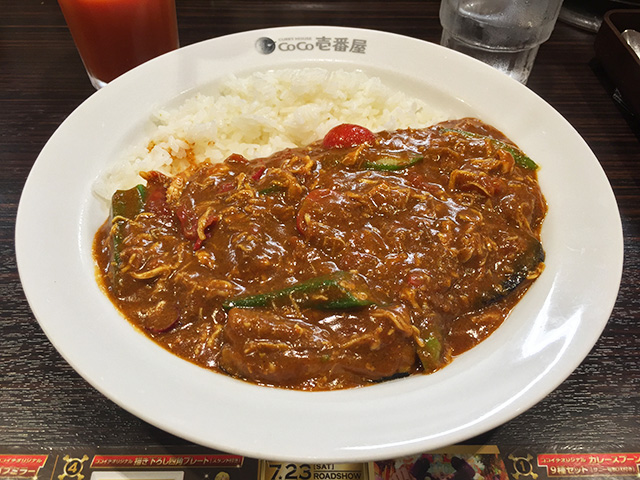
(128, 203)
(519, 157)
(391, 163)
(430, 350)
(125, 206)
(271, 189)
(339, 290)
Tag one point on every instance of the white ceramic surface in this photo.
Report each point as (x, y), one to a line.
(550, 332)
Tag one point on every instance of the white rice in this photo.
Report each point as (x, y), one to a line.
(261, 114)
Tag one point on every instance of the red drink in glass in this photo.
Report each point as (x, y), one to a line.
(114, 36)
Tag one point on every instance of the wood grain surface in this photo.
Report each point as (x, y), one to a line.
(44, 403)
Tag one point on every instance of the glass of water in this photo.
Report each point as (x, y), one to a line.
(505, 34)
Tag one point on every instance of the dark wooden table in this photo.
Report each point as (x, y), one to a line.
(44, 403)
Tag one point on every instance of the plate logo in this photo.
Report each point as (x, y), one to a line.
(266, 45)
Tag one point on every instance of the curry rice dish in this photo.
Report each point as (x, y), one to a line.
(359, 258)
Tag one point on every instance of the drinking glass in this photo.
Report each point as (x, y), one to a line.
(503, 33)
(113, 36)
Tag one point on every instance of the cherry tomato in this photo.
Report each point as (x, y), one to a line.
(347, 135)
(188, 220)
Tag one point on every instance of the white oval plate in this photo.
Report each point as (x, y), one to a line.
(550, 332)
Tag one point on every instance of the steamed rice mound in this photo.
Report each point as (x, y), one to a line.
(261, 114)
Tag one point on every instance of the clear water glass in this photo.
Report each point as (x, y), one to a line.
(506, 34)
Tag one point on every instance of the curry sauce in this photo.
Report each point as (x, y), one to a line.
(359, 258)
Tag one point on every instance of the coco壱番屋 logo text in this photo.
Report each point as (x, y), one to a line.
(266, 45)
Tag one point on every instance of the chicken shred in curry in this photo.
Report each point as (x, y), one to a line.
(360, 258)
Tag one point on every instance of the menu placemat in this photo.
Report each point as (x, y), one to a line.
(459, 462)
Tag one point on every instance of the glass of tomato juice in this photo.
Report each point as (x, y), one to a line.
(113, 36)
